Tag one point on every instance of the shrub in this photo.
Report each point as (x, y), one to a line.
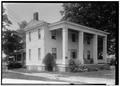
(74, 65)
(112, 61)
(49, 62)
(91, 60)
(12, 65)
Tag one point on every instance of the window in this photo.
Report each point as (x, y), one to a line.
(88, 54)
(88, 40)
(73, 37)
(29, 54)
(39, 35)
(74, 53)
(39, 53)
(19, 57)
(54, 34)
(54, 53)
(29, 36)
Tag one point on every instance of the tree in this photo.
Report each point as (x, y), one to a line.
(11, 42)
(21, 32)
(101, 16)
(5, 21)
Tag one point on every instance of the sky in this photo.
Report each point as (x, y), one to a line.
(49, 12)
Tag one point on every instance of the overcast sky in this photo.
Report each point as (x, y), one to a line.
(49, 12)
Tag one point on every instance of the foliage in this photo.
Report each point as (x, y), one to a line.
(22, 24)
(14, 65)
(21, 32)
(101, 16)
(112, 61)
(88, 61)
(49, 62)
(5, 21)
(74, 65)
(11, 42)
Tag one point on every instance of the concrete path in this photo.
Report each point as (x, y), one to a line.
(21, 81)
(71, 79)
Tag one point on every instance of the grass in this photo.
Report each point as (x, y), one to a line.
(108, 74)
(12, 75)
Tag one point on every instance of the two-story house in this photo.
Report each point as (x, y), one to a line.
(64, 40)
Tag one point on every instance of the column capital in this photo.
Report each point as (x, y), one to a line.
(64, 28)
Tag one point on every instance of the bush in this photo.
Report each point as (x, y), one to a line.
(112, 61)
(49, 62)
(12, 65)
(74, 65)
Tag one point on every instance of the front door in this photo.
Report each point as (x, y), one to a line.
(73, 53)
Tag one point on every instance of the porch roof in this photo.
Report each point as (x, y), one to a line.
(74, 26)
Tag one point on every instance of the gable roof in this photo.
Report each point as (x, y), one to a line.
(33, 23)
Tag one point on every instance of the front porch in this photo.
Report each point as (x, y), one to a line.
(86, 42)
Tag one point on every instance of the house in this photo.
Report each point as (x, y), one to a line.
(20, 57)
(64, 40)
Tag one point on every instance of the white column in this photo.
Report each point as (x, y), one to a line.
(95, 48)
(65, 44)
(105, 49)
(81, 46)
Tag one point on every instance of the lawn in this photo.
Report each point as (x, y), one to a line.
(109, 74)
(12, 75)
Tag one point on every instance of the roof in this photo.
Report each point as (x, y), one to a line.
(67, 22)
(33, 23)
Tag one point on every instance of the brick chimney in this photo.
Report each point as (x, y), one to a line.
(35, 16)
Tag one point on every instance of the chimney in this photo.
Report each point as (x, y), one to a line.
(35, 16)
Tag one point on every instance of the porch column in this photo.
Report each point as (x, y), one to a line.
(80, 46)
(65, 44)
(105, 49)
(95, 48)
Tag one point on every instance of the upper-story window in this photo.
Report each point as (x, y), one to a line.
(29, 36)
(54, 34)
(39, 53)
(39, 35)
(73, 37)
(88, 40)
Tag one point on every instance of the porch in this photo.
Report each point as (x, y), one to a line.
(86, 42)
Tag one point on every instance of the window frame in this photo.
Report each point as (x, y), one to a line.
(53, 35)
(88, 40)
(54, 53)
(88, 54)
(39, 53)
(39, 34)
(30, 36)
(29, 54)
(74, 37)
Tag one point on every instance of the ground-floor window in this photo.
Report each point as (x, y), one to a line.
(29, 54)
(74, 53)
(88, 54)
(54, 53)
(39, 53)
(19, 56)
